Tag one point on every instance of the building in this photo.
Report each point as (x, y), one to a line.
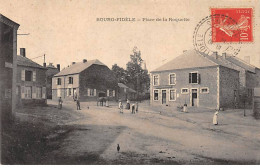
(249, 76)
(87, 79)
(195, 79)
(124, 92)
(31, 81)
(8, 49)
(52, 70)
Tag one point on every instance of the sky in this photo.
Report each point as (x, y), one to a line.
(68, 31)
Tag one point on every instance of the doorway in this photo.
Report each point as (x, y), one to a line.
(163, 96)
(194, 97)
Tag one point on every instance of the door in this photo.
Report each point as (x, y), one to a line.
(163, 96)
(194, 97)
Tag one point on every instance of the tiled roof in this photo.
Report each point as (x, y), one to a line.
(189, 59)
(23, 61)
(78, 67)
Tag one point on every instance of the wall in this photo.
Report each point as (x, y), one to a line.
(6, 75)
(97, 77)
(40, 82)
(208, 78)
(49, 74)
(229, 81)
(64, 86)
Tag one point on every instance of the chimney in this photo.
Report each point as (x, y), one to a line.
(215, 55)
(247, 59)
(58, 67)
(22, 52)
(44, 64)
(224, 55)
(84, 61)
(73, 63)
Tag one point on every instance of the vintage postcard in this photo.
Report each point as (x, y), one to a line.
(130, 82)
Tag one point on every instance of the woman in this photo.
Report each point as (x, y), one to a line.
(215, 118)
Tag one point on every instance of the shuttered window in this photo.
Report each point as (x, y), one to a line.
(34, 76)
(95, 92)
(23, 75)
(194, 77)
(38, 92)
(43, 92)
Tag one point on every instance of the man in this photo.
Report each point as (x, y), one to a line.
(78, 103)
(60, 103)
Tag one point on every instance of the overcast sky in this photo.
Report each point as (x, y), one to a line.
(67, 30)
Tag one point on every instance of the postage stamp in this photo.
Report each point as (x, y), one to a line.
(237, 29)
(202, 37)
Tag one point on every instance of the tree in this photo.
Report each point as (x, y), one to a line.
(136, 76)
(120, 73)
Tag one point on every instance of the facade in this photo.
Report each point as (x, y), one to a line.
(124, 92)
(8, 49)
(52, 70)
(87, 80)
(31, 81)
(249, 76)
(195, 80)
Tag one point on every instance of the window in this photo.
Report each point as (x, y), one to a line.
(156, 80)
(38, 92)
(59, 81)
(28, 92)
(70, 80)
(156, 95)
(172, 79)
(91, 92)
(194, 77)
(172, 94)
(28, 75)
(110, 93)
(184, 91)
(204, 90)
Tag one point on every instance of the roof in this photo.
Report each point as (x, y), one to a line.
(8, 21)
(242, 64)
(78, 67)
(189, 59)
(121, 85)
(193, 59)
(24, 61)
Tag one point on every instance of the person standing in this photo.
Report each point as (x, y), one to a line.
(136, 107)
(121, 107)
(215, 118)
(60, 103)
(78, 103)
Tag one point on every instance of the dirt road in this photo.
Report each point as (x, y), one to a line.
(149, 138)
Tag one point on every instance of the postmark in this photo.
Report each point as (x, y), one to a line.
(202, 37)
(239, 31)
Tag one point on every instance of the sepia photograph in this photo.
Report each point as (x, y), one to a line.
(130, 82)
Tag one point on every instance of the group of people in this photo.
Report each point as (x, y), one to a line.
(133, 107)
(76, 99)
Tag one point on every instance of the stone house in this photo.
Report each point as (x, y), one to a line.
(31, 81)
(87, 79)
(249, 75)
(8, 53)
(195, 79)
(124, 92)
(51, 71)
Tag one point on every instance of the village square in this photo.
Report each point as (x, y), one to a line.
(194, 108)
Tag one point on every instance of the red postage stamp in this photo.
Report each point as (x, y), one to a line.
(232, 25)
